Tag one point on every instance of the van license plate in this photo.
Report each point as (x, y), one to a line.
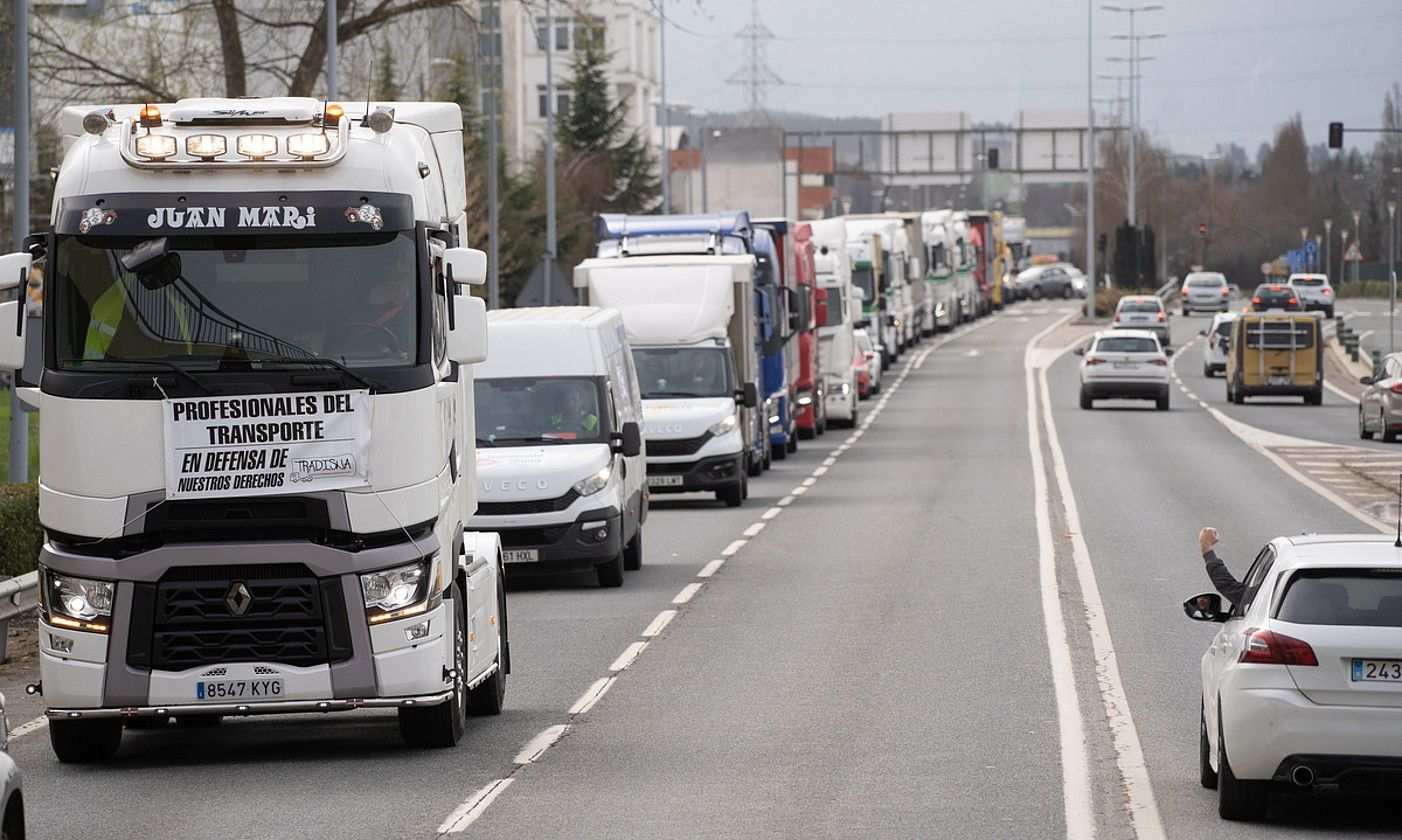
(664, 481)
(521, 555)
(1278, 380)
(216, 691)
(1377, 670)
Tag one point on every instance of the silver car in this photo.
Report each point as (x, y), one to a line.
(1314, 292)
(11, 784)
(1143, 312)
(1214, 355)
(1205, 291)
(1380, 408)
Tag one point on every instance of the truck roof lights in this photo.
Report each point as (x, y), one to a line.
(95, 122)
(150, 116)
(309, 145)
(256, 146)
(206, 146)
(155, 146)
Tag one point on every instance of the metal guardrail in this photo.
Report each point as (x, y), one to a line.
(18, 595)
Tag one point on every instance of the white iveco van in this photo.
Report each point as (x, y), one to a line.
(560, 470)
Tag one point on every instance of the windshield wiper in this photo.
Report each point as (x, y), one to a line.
(319, 360)
(532, 439)
(650, 394)
(486, 442)
(179, 369)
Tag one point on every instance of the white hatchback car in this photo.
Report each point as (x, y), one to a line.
(1205, 291)
(1124, 364)
(1214, 355)
(1302, 686)
(1314, 292)
(1143, 312)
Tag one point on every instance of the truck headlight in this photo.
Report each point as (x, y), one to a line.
(723, 426)
(594, 483)
(396, 593)
(78, 603)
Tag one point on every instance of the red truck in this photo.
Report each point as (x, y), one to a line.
(981, 236)
(794, 244)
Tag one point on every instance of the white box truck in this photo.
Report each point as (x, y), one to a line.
(838, 343)
(690, 321)
(256, 422)
(560, 472)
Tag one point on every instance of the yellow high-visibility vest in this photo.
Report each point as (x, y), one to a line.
(106, 316)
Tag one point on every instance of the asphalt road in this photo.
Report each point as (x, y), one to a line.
(872, 659)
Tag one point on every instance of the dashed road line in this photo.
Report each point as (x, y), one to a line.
(595, 693)
(710, 568)
(771, 513)
(627, 656)
(468, 812)
(729, 551)
(753, 530)
(663, 618)
(688, 592)
(537, 746)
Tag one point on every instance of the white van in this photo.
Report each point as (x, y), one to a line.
(560, 470)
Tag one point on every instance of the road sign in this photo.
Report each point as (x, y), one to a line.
(1296, 258)
(1267, 266)
(1312, 250)
(1354, 253)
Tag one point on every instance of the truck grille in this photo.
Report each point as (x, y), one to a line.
(682, 446)
(522, 508)
(192, 618)
(531, 537)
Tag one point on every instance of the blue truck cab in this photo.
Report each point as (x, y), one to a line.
(777, 352)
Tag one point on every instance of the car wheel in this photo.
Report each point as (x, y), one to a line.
(1207, 371)
(94, 741)
(1329, 313)
(1161, 403)
(1237, 799)
(1363, 431)
(1236, 395)
(1389, 435)
(1066, 293)
(1036, 293)
(1206, 775)
(768, 451)
(754, 466)
(610, 573)
(443, 725)
(733, 495)
(633, 552)
(1086, 401)
(489, 697)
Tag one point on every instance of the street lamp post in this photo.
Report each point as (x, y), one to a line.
(1328, 228)
(1358, 237)
(1134, 59)
(19, 419)
(1391, 279)
(1343, 253)
(1094, 284)
(1304, 242)
(666, 115)
(550, 243)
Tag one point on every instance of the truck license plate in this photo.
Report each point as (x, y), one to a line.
(521, 555)
(238, 690)
(664, 481)
(1377, 670)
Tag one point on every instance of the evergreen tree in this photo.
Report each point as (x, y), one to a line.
(386, 85)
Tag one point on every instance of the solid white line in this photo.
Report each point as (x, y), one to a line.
(1129, 752)
(753, 530)
(595, 693)
(729, 551)
(1339, 392)
(1075, 765)
(41, 722)
(658, 623)
(468, 812)
(688, 592)
(537, 746)
(710, 568)
(786, 501)
(627, 656)
(771, 513)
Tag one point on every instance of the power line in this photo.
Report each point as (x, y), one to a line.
(755, 76)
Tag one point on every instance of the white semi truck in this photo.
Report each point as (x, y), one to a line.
(691, 323)
(838, 344)
(256, 415)
(896, 275)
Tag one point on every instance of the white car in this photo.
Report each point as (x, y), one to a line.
(1143, 312)
(1124, 364)
(1214, 355)
(871, 351)
(11, 798)
(1302, 685)
(1205, 291)
(1314, 292)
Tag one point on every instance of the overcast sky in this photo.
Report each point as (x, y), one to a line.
(1227, 70)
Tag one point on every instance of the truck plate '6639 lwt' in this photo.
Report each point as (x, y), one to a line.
(257, 421)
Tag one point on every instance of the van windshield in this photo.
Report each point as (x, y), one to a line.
(683, 372)
(530, 410)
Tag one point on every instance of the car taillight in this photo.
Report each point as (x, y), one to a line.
(1163, 317)
(1255, 300)
(1159, 362)
(1326, 292)
(1266, 648)
(1396, 389)
(1184, 293)
(1292, 300)
(1091, 361)
(1117, 317)
(1226, 292)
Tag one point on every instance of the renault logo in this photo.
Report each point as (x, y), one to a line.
(238, 599)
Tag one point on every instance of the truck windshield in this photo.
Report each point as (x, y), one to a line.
(216, 301)
(834, 304)
(530, 410)
(683, 372)
(864, 278)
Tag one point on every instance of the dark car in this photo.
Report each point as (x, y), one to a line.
(1275, 296)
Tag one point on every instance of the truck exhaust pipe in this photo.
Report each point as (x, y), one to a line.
(1302, 775)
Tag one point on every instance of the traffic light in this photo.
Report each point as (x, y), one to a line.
(1202, 230)
(992, 158)
(1336, 135)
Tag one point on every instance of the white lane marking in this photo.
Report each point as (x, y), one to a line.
(627, 656)
(851, 439)
(1202, 403)
(786, 501)
(809, 481)
(841, 449)
(595, 693)
(710, 568)
(729, 551)
(1339, 392)
(659, 623)
(688, 592)
(799, 490)
(1075, 766)
(819, 472)
(537, 746)
(1129, 752)
(771, 513)
(468, 812)
(753, 530)
(41, 722)
(829, 461)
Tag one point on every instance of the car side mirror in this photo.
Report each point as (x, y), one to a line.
(748, 396)
(628, 441)
(1205, 607)
(1079, 351)
(14, 300)
(1202, 333)
(467, 336)
(467, 266)
(1365, 380)
(1168, 351)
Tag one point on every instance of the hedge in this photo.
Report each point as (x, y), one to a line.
(20, 534)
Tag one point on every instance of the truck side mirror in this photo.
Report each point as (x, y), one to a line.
(465, 266)
(467, 338)
(821, 296)
(14, 293)
(628, 441)
(748, 396)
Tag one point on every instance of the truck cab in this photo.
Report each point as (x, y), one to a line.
(777, 321)
(842, 307)
(256, 421)
(941, 259)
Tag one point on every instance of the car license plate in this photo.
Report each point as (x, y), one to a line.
(1126, 365)
(521, 555)
(1377, 670)
(1278, 380)
(217, 690)
(664, 481)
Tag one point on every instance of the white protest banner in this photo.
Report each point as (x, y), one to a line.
(266, 444)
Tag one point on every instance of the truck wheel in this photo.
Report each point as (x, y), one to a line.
(611, 573)
(733, 495)
(1206, 775)
(93, 741)
(768, 453)
(792, 445)
(489, 697)
(754, 466)
(1237, 799)
(633, 552)
(442, 725)
(1234, 393)
(781, 451)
